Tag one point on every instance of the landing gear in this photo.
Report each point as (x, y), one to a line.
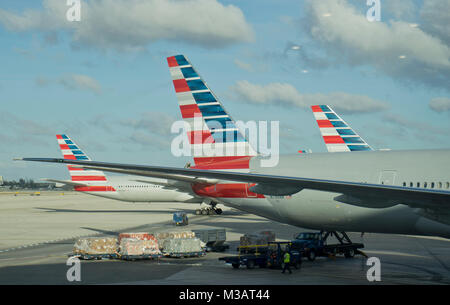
(210, 210)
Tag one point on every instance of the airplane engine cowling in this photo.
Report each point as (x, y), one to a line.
(366, 202)
(438, 215)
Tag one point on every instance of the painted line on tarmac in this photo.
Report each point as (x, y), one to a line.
(90, 235)
(395, 253)
(428, 237)
(193, 217)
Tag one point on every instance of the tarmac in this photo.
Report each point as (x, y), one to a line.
(38, 232)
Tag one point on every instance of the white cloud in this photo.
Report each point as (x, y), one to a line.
(440, 104)
(286, 95)
(243, 65)
(348, 38)
(133, 24)
(436, 17)
(157, 123)
(415, 129)
(401, 9)
(80, 82)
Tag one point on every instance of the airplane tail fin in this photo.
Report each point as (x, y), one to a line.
(337, 134)
(71, 151)
(211, 128)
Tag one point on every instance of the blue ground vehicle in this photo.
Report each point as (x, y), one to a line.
(180, 219)
(313, 244)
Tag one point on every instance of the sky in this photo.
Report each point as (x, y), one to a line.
(104, 80)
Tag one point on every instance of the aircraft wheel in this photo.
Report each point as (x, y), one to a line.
(198, 212)
(204, 212)
(219, 211)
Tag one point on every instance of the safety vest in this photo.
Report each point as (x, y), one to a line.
(287, 258)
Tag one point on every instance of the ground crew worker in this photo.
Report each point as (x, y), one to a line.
(287, 262)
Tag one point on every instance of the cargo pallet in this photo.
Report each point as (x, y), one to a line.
(185, 254)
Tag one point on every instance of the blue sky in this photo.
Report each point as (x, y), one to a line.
(104, 81)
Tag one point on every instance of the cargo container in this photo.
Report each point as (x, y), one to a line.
(214, 238)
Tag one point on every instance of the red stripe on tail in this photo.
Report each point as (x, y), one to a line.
(190, 111)
(88, 178)
(333, 140)
(71, 168)
(324, 123)
(316, 109)
(181, 85)
(172, 61)
(200, 137)
(94, 189)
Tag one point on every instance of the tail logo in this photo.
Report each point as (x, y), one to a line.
(71, 151)
(336, 133)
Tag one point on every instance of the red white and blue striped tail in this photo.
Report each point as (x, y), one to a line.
(210, 126)
(337, 134)
(71, 151)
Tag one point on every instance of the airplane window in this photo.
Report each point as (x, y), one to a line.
(425, 185)
(411, 184)
(448, 185)
(432, 185)
(418, 184)
(404, 183)
(440, 185)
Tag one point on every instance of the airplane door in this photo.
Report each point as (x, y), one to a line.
(387, 177)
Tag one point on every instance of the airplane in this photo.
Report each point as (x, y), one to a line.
(396, 192)
(130, 189)
(332, 127)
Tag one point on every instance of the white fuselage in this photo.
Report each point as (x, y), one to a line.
(319, 209)
(126, 188)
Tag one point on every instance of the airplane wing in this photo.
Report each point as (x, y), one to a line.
(364, 194)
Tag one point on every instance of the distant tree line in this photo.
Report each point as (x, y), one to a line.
(27, 184)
